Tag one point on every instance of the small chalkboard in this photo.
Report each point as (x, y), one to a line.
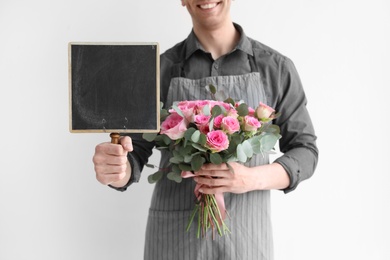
(114, 87)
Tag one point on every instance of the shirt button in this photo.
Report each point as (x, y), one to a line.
(215, 66)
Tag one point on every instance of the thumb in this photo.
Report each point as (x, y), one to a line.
(126, 143)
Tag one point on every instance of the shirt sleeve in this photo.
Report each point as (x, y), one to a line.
(298, 142)
(142, 150)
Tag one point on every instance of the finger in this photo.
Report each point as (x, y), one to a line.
(126, 143)
(212, 182)
(210, 166)
(213, 190)
(213, 172)
(111, 149)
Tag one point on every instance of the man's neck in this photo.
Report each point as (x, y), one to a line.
(219, 40)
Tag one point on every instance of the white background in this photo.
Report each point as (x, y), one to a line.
(51, 206)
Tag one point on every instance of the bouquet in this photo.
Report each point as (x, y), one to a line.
(212, 131)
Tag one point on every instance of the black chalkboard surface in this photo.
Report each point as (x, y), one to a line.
(114, 87)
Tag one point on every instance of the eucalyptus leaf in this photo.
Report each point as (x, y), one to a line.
(202, 139)
(221, 95)
(149, 136)
(173, 176)
(185, 150)
(163, 114)
(211, 88)
(176, 160)
(206, 110)
(230, 101)
(199, 147)
(155, 177)
(197, 162)
(215, 158)
(175, 168)
(211, 124)
(195, 136)
(188, 133)
(149, 165)
(177, 109)
(188, 158)
(268, 142)
(241, 156)
(256, 145)
(242, 109)
(185, 167)
(216, 111)
(247, 148)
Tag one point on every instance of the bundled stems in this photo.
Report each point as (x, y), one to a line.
(209, 217)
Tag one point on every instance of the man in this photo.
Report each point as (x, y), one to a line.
(218, 52)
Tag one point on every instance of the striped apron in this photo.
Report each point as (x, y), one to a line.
(172, 203)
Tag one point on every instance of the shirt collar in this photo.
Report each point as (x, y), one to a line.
(244, 44)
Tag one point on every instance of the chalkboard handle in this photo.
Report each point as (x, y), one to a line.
(115, 138)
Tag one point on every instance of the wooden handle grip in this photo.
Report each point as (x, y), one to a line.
(115, 138)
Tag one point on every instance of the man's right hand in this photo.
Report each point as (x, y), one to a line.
(111, 163)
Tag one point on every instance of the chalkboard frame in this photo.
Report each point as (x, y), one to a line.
(156, 90)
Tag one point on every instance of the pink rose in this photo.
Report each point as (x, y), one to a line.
(218, 121)
(199, 105)
(232, 113)
(217, 141)
(201, 119)
(202, 122)
(187, 108)
(263, 111)
(251, 111)
(174, 126)
(251, 123)
(230, 124)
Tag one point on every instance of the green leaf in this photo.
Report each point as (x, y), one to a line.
(163, 114)
(149, 136)
(195, 136)
(235, 139)
(177, 110)
(206, 110)
(242, 109)
(197, 162)
(256, 145)
(241, 156)
(230, 101)
(185, 167)
(216, 111)
(149, 165)
(273, 129)
(163, 140)
(202, 139)
(155, 177)
(189, 132)
(176, 160)
(268, 142)
(211, 124)
(215, 158)
(175, 168)
(199, 147)
(174, 176)
(185, 150)
(247, 149)
(211, 88)
(220, 95)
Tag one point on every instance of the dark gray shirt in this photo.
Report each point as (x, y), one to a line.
(283, 89)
